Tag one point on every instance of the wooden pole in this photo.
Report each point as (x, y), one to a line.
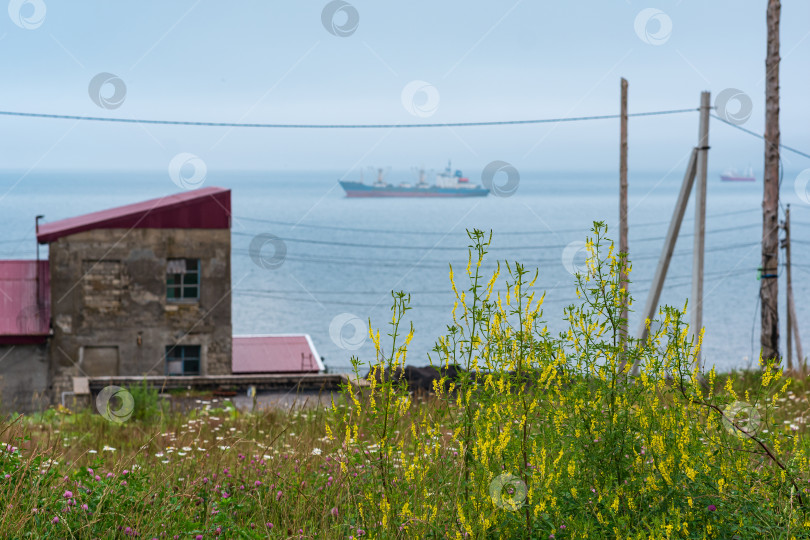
(698, 249)
(801, 360)
(792, 323)
(789, 292)
(666, 252)
(769, 285)
(623, 198)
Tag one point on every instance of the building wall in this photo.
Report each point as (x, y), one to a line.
(108, 291)
(23, 378)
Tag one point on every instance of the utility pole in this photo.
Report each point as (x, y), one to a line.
(789, 291)
(799, 353)
(769, 285)
(699, 244)
(623, 199)
(792, 323)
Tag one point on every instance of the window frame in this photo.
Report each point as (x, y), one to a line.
(181, 287)
(170, 355)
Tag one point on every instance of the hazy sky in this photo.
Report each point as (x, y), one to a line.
(278, 62)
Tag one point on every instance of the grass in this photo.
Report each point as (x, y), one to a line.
(196, 474)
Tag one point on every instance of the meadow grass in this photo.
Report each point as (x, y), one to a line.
(541, 436)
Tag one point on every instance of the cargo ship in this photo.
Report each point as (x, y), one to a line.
(448, 184)
(731, 175)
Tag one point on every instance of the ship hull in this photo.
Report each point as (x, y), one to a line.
(730, 178)
(359, 190)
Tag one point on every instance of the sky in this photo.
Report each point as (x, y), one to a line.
(365, 61)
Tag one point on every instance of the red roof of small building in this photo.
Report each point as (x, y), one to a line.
(275, 354)
(205, 208)
(25, 313)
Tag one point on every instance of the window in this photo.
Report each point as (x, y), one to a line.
(183, 360)
(183, 279)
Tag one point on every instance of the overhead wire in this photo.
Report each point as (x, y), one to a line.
(438, 233)
(499, 233)
(365, 245)
(275, 296)
(335, 126)
(443, 264)
(738, 271)
(757, 135)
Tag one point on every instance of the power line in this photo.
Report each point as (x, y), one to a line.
(503, 233)
(366, 245)
(367, 262)
(436, 233)
(334, 126)
(758, 136)
(272, 296)
(736, 228)
(449, 291)
(435, 263)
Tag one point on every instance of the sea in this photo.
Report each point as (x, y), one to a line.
(306, 259)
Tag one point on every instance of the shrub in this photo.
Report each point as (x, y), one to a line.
(552, 436)
(148, 403)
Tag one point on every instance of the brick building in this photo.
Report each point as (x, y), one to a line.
(142, 289)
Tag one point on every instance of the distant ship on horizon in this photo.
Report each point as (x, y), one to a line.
(731, 175)
(448, 184)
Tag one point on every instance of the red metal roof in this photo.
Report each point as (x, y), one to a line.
(24, 315)
(275, 354)
(206, 208)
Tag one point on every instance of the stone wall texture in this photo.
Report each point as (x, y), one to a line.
(110, 310)
(24, 378)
